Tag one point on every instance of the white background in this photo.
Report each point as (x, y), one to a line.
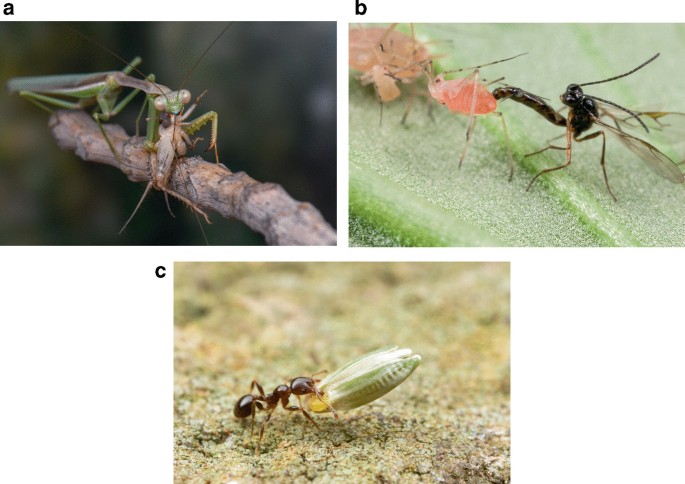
(86, 336)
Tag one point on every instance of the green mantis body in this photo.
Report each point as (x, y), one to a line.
(78, 91)
(169, 138)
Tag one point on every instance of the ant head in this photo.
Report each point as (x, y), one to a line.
(303, 385)
(243, 407)
(573, 95)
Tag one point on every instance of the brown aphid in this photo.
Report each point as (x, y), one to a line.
(385, 57)
(248, 404)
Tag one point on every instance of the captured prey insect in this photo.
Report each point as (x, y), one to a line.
(358, 383)
(584, 112)
(469, 96)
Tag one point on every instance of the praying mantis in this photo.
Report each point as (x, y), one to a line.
(168, 138)
(263, 124)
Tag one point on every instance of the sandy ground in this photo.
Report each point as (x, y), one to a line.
(449, 421)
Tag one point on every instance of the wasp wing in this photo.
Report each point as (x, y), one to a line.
(668, 126)
(660, 164)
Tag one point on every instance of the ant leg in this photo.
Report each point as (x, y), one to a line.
(300, 409)
(255, 405)
(601, 161)
(253, 411)
(261, 432)
(506, 142)
(259, 387)
(472, 117)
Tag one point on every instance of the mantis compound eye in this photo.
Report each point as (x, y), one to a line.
(160, 104)
(184, 95)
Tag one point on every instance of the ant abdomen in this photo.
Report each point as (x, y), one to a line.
(243, 407)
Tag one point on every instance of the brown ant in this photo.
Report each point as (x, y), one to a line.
(248, 404)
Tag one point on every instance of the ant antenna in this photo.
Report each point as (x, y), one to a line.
(622, 75)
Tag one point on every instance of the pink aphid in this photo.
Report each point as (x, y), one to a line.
(459, 97)
(468, 96)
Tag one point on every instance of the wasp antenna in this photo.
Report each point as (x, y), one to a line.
(625, 74)
(632, 114)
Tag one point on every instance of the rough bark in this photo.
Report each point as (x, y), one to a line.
(264, 207)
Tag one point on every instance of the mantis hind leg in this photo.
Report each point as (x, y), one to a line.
(44, 102)
(107, 111)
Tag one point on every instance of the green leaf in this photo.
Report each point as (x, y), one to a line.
(406, 188)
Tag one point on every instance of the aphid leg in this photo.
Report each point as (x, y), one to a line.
(410, 103)
(472, 115)
(506, 143)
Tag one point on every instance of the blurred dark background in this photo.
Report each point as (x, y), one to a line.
(273, 85)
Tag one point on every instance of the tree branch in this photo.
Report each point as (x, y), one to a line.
(264, 207)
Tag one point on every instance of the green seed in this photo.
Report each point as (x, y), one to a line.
(364, 380)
